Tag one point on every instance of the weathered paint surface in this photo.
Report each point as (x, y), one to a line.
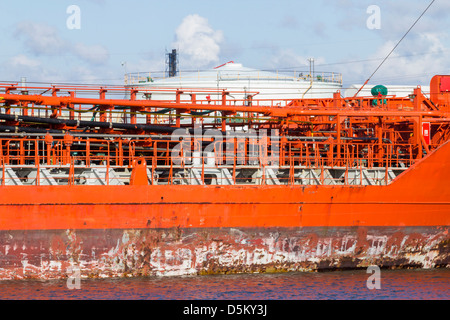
(168, 252)
(174, 230)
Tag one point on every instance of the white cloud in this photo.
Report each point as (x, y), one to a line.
(147, 66)
(420, 55)
(419, 59)
(412, 63)
(287, 58)
(22, 65)
(41, 39)
(197, 41)
(95, 54)
(24, 61)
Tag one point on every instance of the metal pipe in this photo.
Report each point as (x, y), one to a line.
(141, 104)
(17, 129)
(91, 124)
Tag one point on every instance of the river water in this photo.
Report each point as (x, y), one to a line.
(338, 285)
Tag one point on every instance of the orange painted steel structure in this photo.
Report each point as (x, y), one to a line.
(339, 183)
(415, 198)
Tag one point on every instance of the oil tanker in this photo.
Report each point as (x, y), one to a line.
(95, 179)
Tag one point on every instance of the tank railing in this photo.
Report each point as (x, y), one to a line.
(139, 78)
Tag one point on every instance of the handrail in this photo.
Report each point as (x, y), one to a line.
(304, 153)
(139, 78)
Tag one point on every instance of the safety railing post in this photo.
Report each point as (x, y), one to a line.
(3, 172)
(38, 175)
(107, 166)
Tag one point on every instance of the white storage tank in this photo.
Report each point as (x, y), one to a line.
(264, 86)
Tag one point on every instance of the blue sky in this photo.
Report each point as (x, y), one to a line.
(37, 44)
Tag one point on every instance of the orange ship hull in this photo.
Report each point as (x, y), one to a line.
(166, 230)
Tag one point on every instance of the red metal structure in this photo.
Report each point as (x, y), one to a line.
(121, 186)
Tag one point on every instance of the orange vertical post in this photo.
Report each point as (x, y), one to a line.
(133, 119)
(48, 141)
(139, 172)
(178, 101)
(224, 114)
(102, 108)
(193, 101)
(54, 109)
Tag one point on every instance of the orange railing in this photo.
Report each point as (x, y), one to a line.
(232, 153)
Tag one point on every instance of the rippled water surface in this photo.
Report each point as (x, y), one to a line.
(395, 284)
